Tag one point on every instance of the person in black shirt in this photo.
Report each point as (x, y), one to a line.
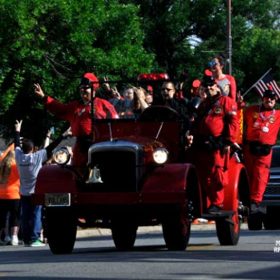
(181, 106)
(168, 93)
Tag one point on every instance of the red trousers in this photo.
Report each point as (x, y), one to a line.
(213, 174)
(258, 173)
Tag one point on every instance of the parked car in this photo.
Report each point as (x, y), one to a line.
(136, 178)
(271, 197)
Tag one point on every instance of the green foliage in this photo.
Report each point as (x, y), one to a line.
(53, 42)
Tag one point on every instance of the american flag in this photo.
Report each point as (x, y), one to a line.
(267, 82)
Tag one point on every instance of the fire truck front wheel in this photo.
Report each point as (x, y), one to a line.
(123, 234)
(61, 229)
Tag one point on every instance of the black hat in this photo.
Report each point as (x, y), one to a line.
(269, 93)
(208, 80)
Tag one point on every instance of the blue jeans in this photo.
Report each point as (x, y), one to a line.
(31, 220)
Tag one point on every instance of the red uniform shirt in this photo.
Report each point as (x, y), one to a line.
(261, 125)
(79, 115)
(220, 118)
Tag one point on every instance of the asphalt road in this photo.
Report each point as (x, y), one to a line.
(94, 257)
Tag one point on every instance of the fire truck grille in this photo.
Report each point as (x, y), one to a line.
(117, 170)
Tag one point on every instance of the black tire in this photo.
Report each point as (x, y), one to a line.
(255, 221)
(228, 230)
(123, 234)
(61, 229)
(271, 219)
(176, 229)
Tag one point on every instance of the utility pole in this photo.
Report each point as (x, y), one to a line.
(229, 38)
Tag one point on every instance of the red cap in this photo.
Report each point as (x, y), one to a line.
(207, 72)
(150, 89)
(93, 79)
(196, 83)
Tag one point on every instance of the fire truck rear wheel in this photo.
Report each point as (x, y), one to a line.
(176, 230)
(228, 230)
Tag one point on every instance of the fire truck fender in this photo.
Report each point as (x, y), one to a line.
(166, 178)
(56, 179)
(237, 188)
(175, 178)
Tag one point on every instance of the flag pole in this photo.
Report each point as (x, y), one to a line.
(256, 82)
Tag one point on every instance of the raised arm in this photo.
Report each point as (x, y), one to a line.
(63, 111)
(17, 133)
(38, 91)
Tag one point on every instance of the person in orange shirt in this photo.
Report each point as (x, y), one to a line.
(9, 195)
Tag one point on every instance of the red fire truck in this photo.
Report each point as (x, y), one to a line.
(135, 177)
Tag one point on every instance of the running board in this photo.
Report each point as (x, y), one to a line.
(226, 215)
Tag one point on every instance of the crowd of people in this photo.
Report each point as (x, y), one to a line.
(20, 164)
(209, 111)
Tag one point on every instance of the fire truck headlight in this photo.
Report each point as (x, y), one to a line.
(160, 155)
(61, 156)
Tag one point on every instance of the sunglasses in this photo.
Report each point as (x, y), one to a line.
(84, 87)
(212, 63)
(270, 97)
(168, 89)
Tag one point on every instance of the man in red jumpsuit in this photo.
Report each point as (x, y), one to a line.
(214, 132)
(261, 124)
(78, 114)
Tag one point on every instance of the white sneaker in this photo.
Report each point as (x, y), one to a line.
(14, 240)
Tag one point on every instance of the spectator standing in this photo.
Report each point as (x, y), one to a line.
(261, 123)
(9, 197)
(226, 82)
(29, 164)
(78, 114)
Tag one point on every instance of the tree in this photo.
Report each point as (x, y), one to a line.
(186, 34)
(53, 42)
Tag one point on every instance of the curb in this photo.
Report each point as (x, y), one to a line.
(91, 232)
